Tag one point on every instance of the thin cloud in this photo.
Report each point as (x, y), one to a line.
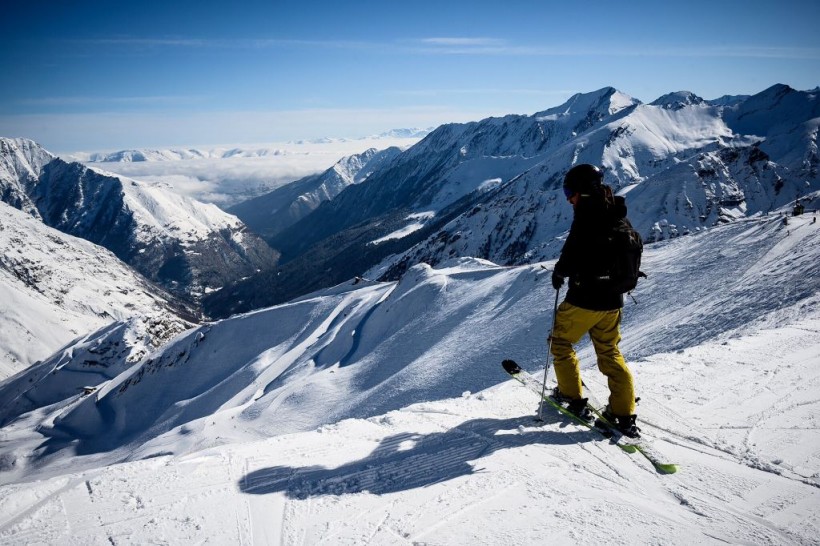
(81, 101)
(245, 43)
(444, 45)
(151, 42)
(754, 52)
(477, 91)
(483, 42)
(494, 46)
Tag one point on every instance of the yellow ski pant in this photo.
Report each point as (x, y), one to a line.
(571, 323)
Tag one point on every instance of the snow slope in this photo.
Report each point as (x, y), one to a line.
(55, 287)
(477, 470)
(378, 413)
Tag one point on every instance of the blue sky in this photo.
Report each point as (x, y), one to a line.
(101, 75)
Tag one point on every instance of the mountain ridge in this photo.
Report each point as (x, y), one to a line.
(523, 159)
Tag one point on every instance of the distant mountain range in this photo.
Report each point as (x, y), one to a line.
(181, 154)
(491, 189)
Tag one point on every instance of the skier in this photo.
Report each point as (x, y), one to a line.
(590, 306)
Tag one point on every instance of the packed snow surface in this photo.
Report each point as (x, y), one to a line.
(378, 413)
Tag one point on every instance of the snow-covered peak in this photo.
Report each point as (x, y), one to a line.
(776, 109)
(21, 161)
(173, 154)
(677, 100)
(641, 144)
(603, 102)
(729, 101)
(413, 132)
(22, 154)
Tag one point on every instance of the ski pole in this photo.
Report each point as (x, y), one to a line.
(549, 352)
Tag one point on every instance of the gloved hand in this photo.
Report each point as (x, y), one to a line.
(557, 280)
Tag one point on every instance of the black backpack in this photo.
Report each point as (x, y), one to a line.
(623, 249)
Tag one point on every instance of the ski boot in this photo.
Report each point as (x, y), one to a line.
(577, 406)
(625, 424)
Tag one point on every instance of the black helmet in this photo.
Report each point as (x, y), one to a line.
(583, 178)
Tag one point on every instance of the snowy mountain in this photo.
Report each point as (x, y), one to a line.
(55, 288)
(377, 412)
(186, 246)
(681, 163)
(491, 189)
(678, 100)
(410, 132)
(21, 161)
(176, 154)
(271, 213)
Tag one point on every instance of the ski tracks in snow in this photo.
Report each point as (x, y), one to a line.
(472, 470)
(139, 502)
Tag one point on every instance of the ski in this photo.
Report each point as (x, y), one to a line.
(605, 428)
(642, 445)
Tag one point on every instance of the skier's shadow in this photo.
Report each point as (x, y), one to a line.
(408, 461)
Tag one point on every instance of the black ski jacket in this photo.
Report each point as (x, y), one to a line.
(582, 257)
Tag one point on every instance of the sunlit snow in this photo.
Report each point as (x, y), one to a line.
(378, 413)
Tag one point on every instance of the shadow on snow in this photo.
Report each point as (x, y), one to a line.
(407, 461)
